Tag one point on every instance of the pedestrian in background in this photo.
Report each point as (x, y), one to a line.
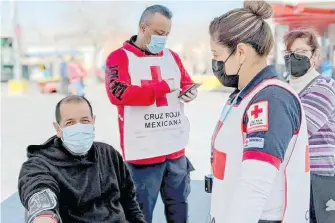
(64, 74)
(77, 74)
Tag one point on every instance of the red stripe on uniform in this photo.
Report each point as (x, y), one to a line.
(219, 164)
(261, 156)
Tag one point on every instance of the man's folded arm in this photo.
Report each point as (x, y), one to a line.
(38, 190)
(119, 89)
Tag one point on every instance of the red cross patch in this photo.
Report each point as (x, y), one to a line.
(258, 117)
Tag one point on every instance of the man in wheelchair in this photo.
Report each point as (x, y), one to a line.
(73, 179)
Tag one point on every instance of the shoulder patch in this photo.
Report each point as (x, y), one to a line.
(258, 117)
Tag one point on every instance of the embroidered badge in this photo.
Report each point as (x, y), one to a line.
(258, 117)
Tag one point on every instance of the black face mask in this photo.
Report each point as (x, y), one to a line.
(219, 71)
(297, 65)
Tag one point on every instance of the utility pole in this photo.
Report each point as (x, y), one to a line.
(16, 32)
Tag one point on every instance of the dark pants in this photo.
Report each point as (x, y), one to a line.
(172, 179)
(322, 190)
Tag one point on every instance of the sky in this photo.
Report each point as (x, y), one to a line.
(61, 16)
(65, 14)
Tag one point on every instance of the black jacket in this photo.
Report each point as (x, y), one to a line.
(96, 188)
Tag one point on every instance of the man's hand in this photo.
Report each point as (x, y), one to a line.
(45, 219)
(171, 84)
(189, 96)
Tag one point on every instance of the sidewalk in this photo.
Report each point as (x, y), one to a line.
(34, 114)
(199, 202)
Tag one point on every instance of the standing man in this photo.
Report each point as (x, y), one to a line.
(64, 73)
(77, 74)
(144, 80)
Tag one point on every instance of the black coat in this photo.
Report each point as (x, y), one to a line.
(95, 188)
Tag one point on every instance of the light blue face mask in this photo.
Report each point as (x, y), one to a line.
(157, 43)
(78, 138)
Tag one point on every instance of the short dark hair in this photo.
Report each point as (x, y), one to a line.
(151, 10)
(71, 99)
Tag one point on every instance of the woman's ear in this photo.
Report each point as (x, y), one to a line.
(241, 50)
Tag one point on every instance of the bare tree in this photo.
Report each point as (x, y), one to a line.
(96, 20)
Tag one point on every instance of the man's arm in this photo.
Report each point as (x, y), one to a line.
(119, 89)
(129, 202)
(319, 106)
(270, 122)
(38, 191)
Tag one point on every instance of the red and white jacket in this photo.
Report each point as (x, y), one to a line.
(135, 84)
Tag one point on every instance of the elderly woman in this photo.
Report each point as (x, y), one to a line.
(317, 94)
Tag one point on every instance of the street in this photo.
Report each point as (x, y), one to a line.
(27, 119)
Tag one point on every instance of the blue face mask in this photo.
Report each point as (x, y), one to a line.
(78, 138)
(157, 43)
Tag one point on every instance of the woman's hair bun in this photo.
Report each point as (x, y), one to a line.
(260, 8)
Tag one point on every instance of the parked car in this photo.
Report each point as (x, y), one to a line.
(50, 85)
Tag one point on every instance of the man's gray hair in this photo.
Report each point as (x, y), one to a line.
(151, 10)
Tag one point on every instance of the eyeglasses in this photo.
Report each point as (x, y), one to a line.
(298, 54)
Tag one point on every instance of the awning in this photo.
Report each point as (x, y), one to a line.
(302, 15)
